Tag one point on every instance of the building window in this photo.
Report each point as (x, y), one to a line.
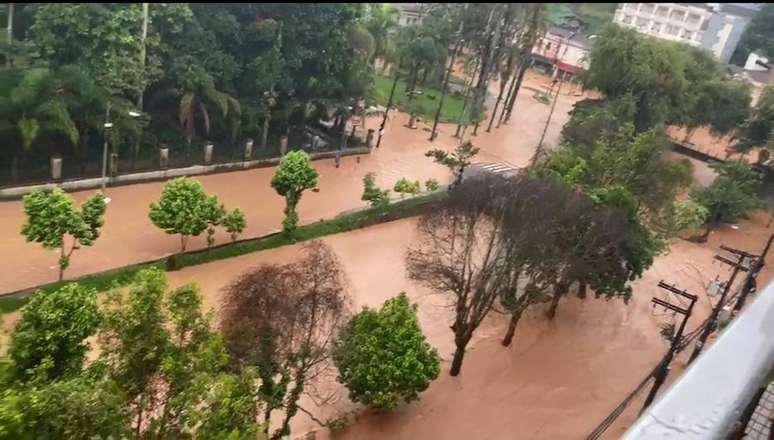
(655, 27)
(677, 15)
(642, 22)
(647, 8)
(662, 11)
(628, 19)
(693, 19)
(632, 6)
(671, 30)
(548, 46)
(688, 35)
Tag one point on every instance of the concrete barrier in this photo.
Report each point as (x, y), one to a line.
(156, 175)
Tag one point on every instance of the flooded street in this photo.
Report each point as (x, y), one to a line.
(129, 237)
(557, 380)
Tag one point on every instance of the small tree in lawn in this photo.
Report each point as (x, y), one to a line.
(731, 194)
(184, 208)
(405, 186)
(50, 338)
(235, 223)
(456, 161)
(214, 218)
(372, 194)
(431, 185)
(294, 175)
(52, 215)
(383, 357)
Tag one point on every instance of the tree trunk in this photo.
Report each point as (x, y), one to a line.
(61, 259)
(519, 79)
(503, 83)
(582, 290)
(265, 132)
(9, 59)
(559, 290)
(15, 168)
(456, 365)
(515, 317)
(183, 242)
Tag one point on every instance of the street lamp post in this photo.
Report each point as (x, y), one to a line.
(108, 125)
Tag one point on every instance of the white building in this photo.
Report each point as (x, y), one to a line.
(566, 50)
(410, 13)
(716, 27)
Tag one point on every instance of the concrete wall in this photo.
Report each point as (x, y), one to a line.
(149, 176)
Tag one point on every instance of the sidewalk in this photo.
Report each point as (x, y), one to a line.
(129, 237)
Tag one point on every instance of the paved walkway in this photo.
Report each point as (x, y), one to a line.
(129, 237)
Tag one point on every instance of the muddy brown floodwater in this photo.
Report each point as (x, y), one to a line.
(129, 237)
(557, 381)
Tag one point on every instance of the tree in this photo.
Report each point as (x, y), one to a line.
(49, 341)
(77, 407)
(381, 23)
(378, 198)
(383, 357)
(431, 185)
(282, 321)
(294, 175)
(163, 354)
(184, 208)
(758, 130)
(458, 254)
(688, 215)
(235, 223)
(758, 36)
(731, 194)
(404, 186)
(455, 161)
(52, 215)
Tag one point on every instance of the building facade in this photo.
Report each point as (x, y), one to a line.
(565, 50)
(410, 13)
(716, 27)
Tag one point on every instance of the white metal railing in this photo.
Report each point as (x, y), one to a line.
(710, 396)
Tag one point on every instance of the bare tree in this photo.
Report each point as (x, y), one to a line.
(283, 320)
(459, 254)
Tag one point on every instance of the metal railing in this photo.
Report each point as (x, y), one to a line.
(711, 396)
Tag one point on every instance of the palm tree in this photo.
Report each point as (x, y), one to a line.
(35, 101)
(200, 101)
(381, 23)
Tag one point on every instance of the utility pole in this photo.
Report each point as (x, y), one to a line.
(663, 368)
(752, 275)
(468, 88)
(9, 59)
(713, 319)
(108, 125)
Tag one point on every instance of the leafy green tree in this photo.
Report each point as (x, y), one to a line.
(77, 407)
(431, 185)
(731, 195)
(372, 194)
(235, 223)
(382, 22)
(49, 341)
(758, 36)
(404, 186)
(215, 218)
(52, 215)
(383, 357)
(689, 215)
(294, 175)
(456, 161)
(162, 352)
(183, 208)
(758, 130)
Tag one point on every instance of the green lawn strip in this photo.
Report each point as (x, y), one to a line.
(426, 104)
(342, 223)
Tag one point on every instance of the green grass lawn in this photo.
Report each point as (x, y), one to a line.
(426, 104)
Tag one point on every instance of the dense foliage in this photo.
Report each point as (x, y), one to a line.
(204, 72)
(382, 355)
